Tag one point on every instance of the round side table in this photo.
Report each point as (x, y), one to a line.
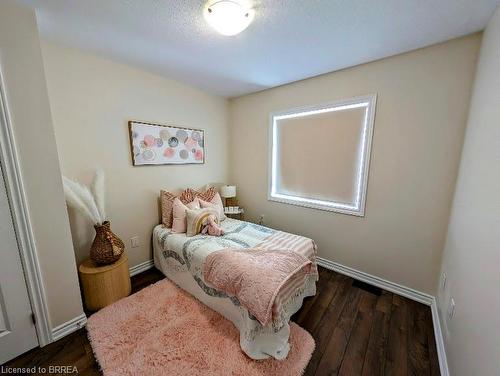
(103, 285)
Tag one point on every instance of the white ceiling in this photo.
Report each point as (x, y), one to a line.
(289, 40)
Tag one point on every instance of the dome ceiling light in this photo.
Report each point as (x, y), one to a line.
(228, 17)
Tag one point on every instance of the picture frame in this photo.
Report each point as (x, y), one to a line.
(153, 144)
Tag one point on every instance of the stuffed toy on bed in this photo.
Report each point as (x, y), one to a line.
(203, 221)
(211, 227)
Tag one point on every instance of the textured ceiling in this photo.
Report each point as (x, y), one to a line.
(289, 40)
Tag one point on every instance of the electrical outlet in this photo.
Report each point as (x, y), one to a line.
(451, 309)
(443, 281)
(134, 242)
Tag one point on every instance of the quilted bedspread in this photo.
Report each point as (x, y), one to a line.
(190, 253)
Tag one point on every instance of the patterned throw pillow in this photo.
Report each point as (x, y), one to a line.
(167, 204)
(197, 218)
(191, 194)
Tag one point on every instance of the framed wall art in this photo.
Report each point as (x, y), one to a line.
(155, 144)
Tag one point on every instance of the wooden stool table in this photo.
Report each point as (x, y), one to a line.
(103, 285)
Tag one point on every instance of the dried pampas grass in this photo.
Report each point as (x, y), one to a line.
(89, 202)
(99, 192)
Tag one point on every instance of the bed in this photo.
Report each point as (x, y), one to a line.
(181, 259)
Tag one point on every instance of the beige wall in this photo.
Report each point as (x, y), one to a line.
(22, 65)
(471, 258)
(422, 107)
(92, 100)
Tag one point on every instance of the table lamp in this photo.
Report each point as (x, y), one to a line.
(227, 191)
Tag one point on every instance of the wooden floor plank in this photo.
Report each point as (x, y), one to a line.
(374, 362)
(331, 360)
(418, 349)
(355, 331)
(352, 363)
(328, 322)
(397, 347)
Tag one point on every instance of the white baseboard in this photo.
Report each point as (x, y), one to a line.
(142, 267)
(438, 334)
(69, 327)
(407, 292)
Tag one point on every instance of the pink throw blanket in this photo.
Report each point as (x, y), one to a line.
(254, 275)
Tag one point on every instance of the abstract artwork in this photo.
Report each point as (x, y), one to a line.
(154, 144)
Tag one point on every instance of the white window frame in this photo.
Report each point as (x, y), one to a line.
(357, 207)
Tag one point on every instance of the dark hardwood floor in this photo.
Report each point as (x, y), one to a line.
(359, 330)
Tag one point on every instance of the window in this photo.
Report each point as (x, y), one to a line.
(319, 155)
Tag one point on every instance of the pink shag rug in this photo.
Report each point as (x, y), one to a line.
(162, 330)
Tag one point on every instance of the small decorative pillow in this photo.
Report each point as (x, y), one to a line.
(179, 214)
(197, 218)
(167, 203)
(215, 203)
(208, 195)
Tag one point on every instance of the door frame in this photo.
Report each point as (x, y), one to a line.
(21, 220)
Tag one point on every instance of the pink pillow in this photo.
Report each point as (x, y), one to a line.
(179, 214)
(215, 203)
(167, 202)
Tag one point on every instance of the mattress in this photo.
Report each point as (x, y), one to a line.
(181, 259)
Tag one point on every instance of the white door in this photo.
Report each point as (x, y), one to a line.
(17, 331)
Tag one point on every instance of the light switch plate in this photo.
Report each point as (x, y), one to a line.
(134, 242)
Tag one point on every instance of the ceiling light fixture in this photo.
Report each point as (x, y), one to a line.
(228, 17)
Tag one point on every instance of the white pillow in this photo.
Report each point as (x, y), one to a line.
(215, 203)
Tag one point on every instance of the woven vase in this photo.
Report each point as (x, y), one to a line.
(107, 247)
